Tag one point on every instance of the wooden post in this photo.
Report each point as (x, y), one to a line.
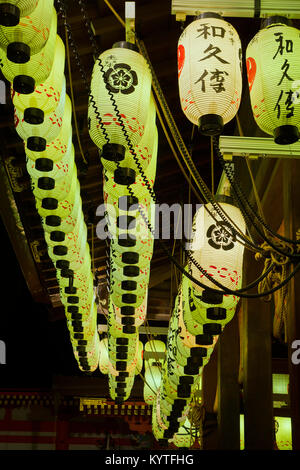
(257, 369)
(291, 197)
(228, 393)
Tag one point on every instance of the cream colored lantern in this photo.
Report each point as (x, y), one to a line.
(273, 62)
(210, 72)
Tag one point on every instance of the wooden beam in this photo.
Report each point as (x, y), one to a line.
(16, 232)
(291, 197)
(257, 367)
(228, 391)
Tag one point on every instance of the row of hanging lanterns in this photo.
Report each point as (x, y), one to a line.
(210, 75)
(34, 59)
(122, 124)
(198, 318)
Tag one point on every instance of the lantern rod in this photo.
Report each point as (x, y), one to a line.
(254, 147)
(130, 21)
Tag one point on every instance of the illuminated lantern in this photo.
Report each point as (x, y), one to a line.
(110, 186)
(128, 80)
(34, 123)
(53, 169)
(46, 95)
(67, 224)
(217, 249)
(10, 12)
(184, 436)
(30, 35)
(103, 357)
(45, 187)
(153, 367)
(24, 76)
(87, 356)
(273, 61)
(146, 147)
(210, 72)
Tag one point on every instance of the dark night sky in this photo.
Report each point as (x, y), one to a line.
(35, 348)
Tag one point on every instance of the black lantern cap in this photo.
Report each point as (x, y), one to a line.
(49, 203)
(131, 271)
(126, 45)
(18, 52)
(34, 115)
(211, 297)
(208, 14)
(211, 124)
(36, 144)
(113, 152)
(24, 85)
(274, 20)
(9, 14)
(286, 135)
(212, 329)
(124, 176)
(43, 164)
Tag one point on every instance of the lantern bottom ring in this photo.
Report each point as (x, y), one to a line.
(211, 124)
(286, 135)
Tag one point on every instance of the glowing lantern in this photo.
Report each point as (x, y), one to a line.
(145, 149)
(184, 437)
(273, 61)
(45, 187)
(46, 95)
(24, 76)
(216, 247)
(10, 12)
(30, 35)
(128, 81)
(67, 224)
(209, 72)
(53, 169)
(153, 367)
(34, 123)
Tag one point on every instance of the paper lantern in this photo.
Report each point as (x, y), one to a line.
(144, 150)
(184, 437)
(24, 76)
(209, 72)
(103, 357)
(52, 169)
(10, 12)
(30, 35)
(67, 224)
(46, 95)
(50, 188)
(216, 247)
(128, 80)
(153, 367)
(273, 61)
(34, 123)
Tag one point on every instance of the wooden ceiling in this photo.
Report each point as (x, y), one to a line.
(160, 32)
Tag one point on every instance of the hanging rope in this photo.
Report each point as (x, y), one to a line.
(196, 417)
(278, 273)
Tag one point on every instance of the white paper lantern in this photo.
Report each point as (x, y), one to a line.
(129, 81)
(273, 62)
(29, 35)
(46, 95)
(24, 76)
(11, 11)
(209, 72)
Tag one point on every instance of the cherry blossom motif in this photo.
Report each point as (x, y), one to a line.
(221, 236)
(120, 78)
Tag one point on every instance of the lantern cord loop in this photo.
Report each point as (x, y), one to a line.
(278, 272)
(72, 96)
(196, 417)
(243, 202)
